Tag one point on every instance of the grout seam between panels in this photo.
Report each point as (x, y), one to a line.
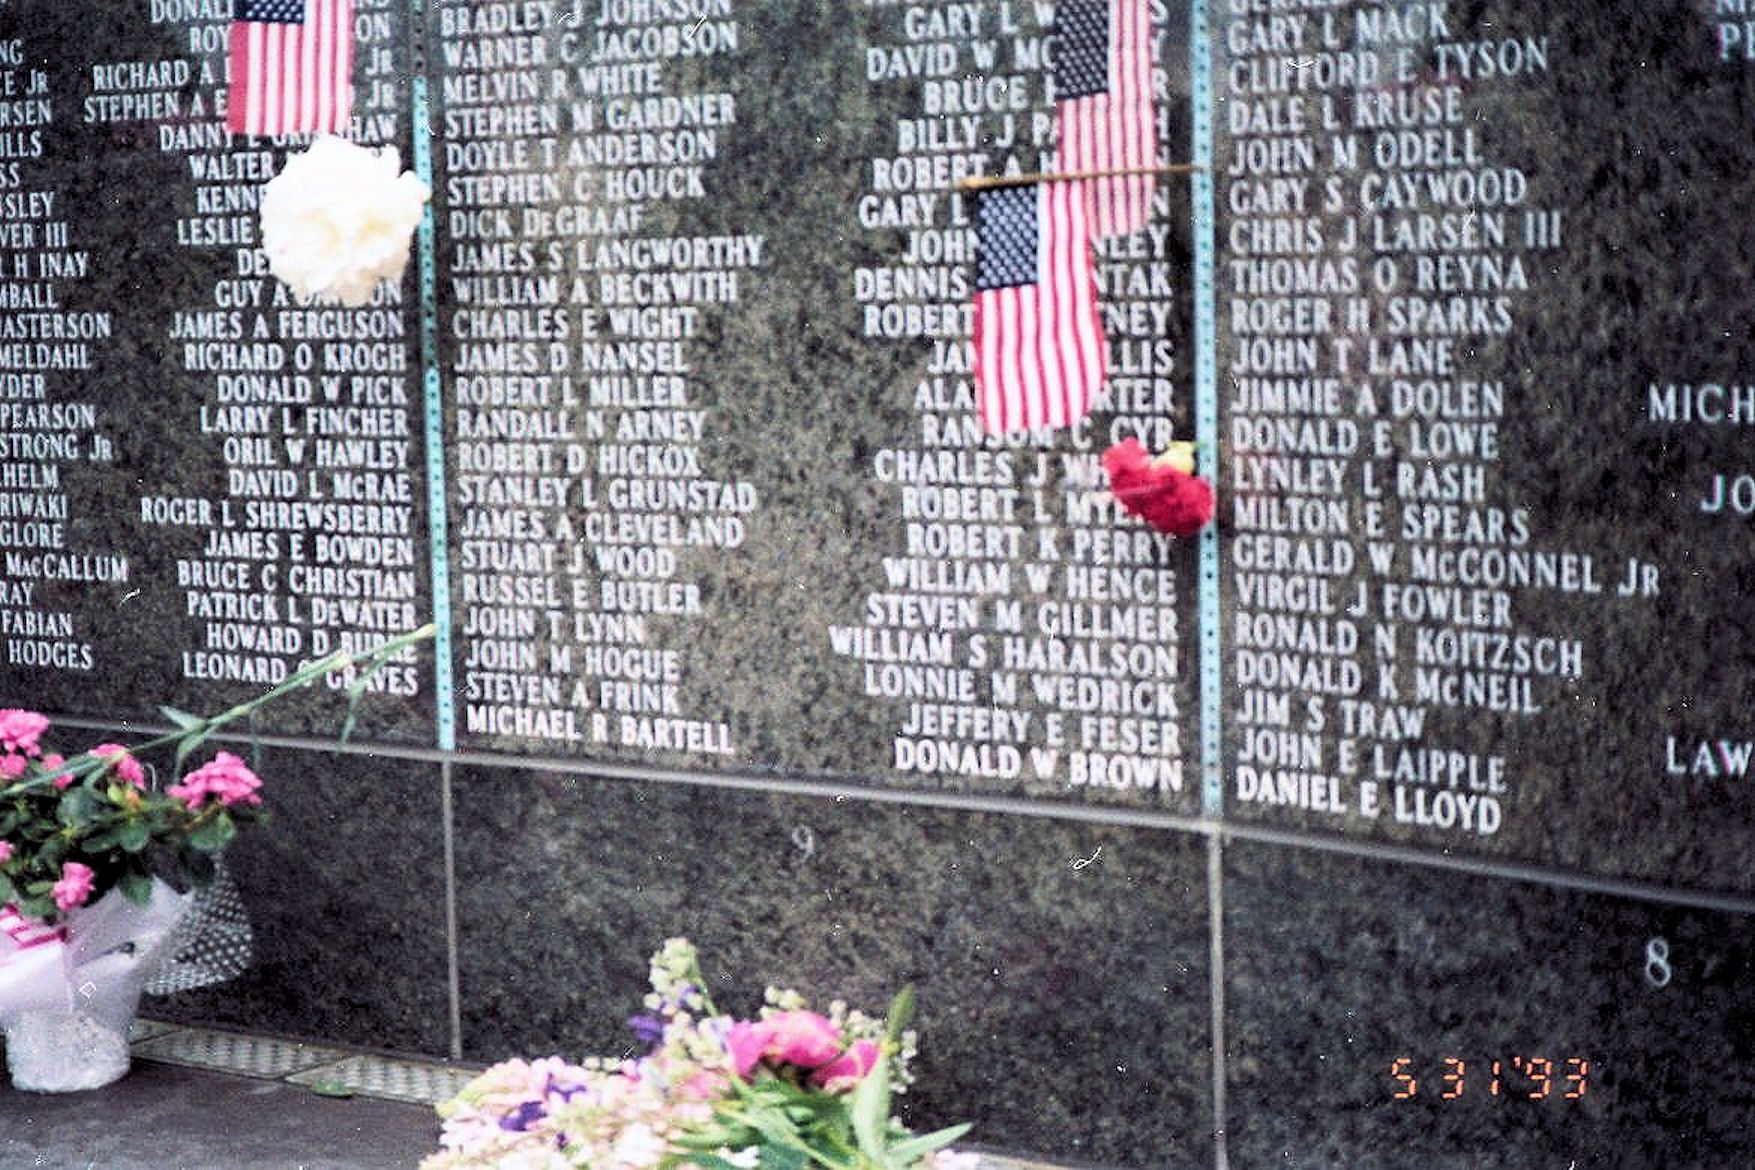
(1216, 976)
(851, 789)
(453, 978)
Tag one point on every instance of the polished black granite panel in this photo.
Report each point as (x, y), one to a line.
(1508, 613)
(1063, 1006)
(1394, 1016)
(345, 887)
(720, 497)
(205, 484)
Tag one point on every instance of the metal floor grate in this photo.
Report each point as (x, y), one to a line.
(394, 1080)
(333, 1071)
(251, 1056)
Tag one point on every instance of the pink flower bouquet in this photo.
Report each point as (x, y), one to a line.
(791, 1088)
(72, 830)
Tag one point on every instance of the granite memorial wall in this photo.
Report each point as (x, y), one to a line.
(1405, 809)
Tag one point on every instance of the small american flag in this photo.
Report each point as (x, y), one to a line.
(1103, 108)
(291, 67)
(1039, 352)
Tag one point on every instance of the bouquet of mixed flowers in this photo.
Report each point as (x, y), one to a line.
(788, 1090)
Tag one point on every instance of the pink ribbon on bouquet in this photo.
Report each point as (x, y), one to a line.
(26, 933)
(33, 964)
(105, 945)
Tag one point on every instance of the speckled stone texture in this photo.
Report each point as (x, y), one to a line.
(799, 402)
(1062, 1009)
(125, 190)
(345, 886)
(1336, 968)
(1634, 135)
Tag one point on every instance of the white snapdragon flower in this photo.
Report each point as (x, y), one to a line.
(638, 1147)
(338, 219)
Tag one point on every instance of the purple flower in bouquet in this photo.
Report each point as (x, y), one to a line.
(649, 1028)
(523, 1117)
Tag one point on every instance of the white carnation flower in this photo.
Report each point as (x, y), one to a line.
(338, 219)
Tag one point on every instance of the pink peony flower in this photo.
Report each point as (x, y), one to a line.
(227, 778)
(5, 852)
(746, 1043)
(19, 730)
(805, 1039)
(12, 767)
(74, 887)
(848, 1069)
(118, 757)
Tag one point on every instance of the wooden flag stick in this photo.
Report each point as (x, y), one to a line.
(988, 182)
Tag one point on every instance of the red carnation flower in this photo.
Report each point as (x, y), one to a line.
(1164, 496)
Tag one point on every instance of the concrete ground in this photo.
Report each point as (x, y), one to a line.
(165, 1117)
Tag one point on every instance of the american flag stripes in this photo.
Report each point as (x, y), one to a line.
(1103, 108)
(1039, 351)
(291, 67)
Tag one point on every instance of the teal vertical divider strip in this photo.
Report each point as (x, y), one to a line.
(1206, 401)
(437, 526)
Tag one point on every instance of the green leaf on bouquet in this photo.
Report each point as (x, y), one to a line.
(215, 834)
(871, 1099)
(706, 1161)
(779, 1136)
(199, 868)
(187, 746)
(181, 718)
(871, 1112)
(137, 887)
(783, 1158)
(101, 842)
(36, 906)
(8, 892)
(76, 808)
(133, 836)
(901, 1014)
(916, 1148)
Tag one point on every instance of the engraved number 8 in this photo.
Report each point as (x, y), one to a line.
(1658, 971)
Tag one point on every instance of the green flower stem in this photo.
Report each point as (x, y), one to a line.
(300, 678)
(700, 984)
